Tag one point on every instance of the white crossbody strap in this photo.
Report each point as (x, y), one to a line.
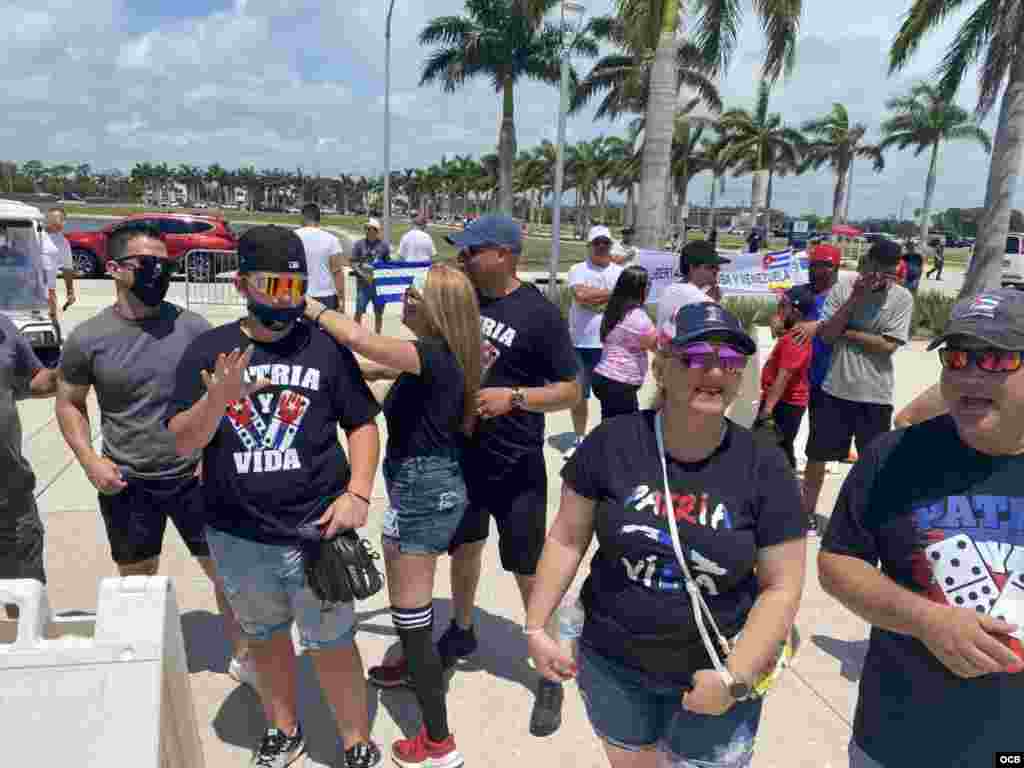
(693, 589)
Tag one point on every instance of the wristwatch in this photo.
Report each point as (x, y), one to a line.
(738, 689)
(518, 398)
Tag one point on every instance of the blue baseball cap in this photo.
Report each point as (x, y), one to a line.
(696, 322)
(492, 229)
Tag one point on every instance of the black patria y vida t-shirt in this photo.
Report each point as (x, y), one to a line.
(276, 460)
(950, 528)
(425, 412)
(742, 498)
(526, 344)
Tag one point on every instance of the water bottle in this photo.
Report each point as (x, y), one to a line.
(570, 625)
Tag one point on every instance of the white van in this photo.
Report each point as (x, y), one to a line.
(1013, 261)
(23, 290)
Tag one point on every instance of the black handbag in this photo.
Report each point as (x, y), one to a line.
(343, 569)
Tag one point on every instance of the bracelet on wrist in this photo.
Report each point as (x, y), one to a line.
(358, 496)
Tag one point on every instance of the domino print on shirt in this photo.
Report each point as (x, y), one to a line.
(1010, 605)
(284, 426)
(247, 424)
(961, 574)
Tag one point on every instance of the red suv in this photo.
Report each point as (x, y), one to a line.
(181, 232)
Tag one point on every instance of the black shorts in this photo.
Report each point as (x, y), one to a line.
(617, 399)
(137, 517)
(331, 302)
(517, 499)
(835, 421)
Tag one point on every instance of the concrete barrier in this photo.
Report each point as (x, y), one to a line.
(97, 691)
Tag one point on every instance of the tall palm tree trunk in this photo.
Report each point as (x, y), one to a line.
(929, 192)
(986, 266)
(660, 116)
(507, 147)
(839, 195)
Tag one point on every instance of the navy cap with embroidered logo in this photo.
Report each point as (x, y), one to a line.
(271, 249)
(994, 317)
(698, 322)
(492, 229)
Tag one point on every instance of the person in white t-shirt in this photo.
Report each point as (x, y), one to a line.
(57, 260)
(699, 263)
(592, 283)
(324, 260)
(416, 244)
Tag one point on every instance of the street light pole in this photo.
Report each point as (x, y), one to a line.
(563, 110)
(387, 125)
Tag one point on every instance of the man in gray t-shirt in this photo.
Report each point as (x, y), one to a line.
(21, 530)
(866, 319)
(129, 353)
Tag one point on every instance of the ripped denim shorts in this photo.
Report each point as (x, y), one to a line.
(632, 710)
(427, 496)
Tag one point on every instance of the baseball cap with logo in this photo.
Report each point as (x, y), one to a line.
(802, 298)
(994, 317)
(698, 322)
(374, 224)
(599, 231)
(271, 249)
(702, 253)
(492, 229)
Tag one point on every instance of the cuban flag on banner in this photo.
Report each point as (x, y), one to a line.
(778, 259)
(391, 278)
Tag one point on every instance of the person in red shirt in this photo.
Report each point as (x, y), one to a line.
(785, 388)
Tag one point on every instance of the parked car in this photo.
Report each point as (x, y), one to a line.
(1013, 262)
(182, 233)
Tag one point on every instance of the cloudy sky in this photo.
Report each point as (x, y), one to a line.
(287, 83)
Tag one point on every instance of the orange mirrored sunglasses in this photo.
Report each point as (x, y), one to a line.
(280, 286)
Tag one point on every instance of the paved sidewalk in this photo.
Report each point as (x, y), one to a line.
(807, 718)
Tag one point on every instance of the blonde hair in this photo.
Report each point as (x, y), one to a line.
(453, 312)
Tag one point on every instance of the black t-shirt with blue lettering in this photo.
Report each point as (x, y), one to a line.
(740, 499)
(425, 412)
(276, 461)
(950, 528)
(526, 344)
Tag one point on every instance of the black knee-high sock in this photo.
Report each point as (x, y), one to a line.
(415, 628)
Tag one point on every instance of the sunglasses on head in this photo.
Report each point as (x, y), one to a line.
(704, 355)
(988, 360)
(280, 286)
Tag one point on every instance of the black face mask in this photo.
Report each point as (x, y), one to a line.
(152, 280)
(276, 318)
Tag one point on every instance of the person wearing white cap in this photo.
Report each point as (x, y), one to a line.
(365, 253)
(591, 283)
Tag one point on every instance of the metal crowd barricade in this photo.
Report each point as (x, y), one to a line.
(210, 277)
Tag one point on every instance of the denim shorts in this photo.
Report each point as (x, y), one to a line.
(428, 498)
(633, 711)
(588, 358)
(266, 587)
(366, 293)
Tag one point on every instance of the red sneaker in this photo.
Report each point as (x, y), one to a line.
(421, 752)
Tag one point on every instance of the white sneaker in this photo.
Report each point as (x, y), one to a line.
(242, 672)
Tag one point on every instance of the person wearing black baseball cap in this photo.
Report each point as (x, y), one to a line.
(865, 319)
(649, 665)
(699, 263)
(938, 506)
(263, 398)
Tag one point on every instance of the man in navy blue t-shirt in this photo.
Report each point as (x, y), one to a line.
(940, 505)
(276, 480)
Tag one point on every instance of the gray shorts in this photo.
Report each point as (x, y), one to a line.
(266, 587)
(21, 539)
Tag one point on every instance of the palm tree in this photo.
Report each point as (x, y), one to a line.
(687, 160)
(498, 40)
(714, 30)
(759, 142)
(994, 32)
(831, 139)
(624, 77)
(715, 158)
(924, 119)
